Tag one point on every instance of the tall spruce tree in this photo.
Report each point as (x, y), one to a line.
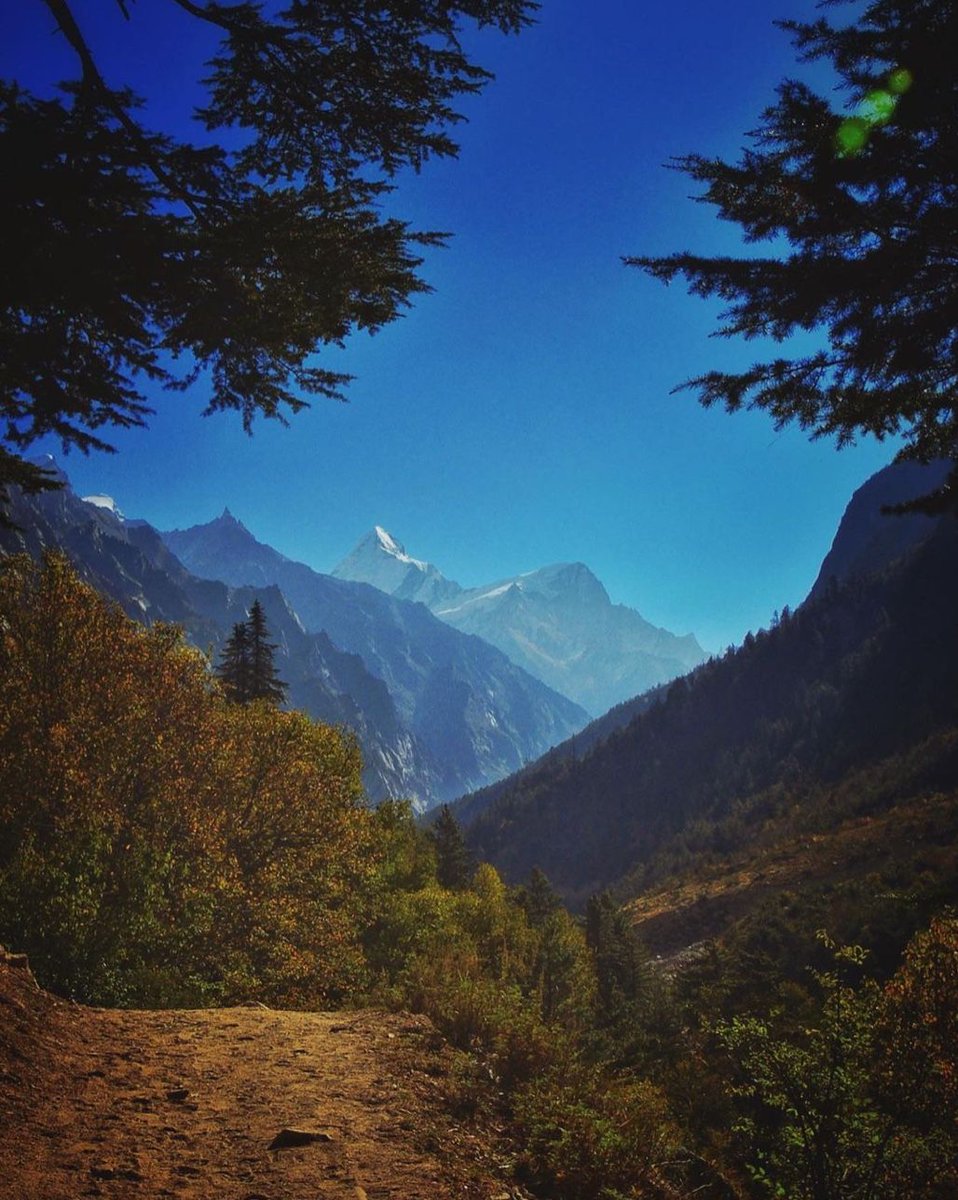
(867, 201)
(129, 251)
(247, 668)
(264, 680)
(233, 670)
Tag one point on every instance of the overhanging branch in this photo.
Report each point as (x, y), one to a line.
(70, 29)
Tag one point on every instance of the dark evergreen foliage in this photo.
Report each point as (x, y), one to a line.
(537, 898)
(264, 680)
(454, 864)
(247, 670)
(234, 668)
(619, 961)
(866, 202)
(125, 248)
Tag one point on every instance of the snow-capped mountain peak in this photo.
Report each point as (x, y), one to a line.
(388, 544)
(557, 622)
(107, 503)
(381, 560)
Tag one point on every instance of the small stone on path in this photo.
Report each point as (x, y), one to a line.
(287, 1138)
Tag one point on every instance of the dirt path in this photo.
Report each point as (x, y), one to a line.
(187, 1104)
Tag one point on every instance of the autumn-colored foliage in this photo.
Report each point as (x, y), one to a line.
(861, 1103)
(161, 845)
(158, 844)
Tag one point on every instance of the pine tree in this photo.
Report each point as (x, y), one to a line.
(233, 670)
(619, 959)
(454, 863)
(866, 201)
(247, 670)
(264, 680)
(538, 899)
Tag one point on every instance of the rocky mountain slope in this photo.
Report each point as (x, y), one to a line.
(436, 713)
(558, 622)
(476, 714)
(128, 562)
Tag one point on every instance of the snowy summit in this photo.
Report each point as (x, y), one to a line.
(389, 545)
(380, 560)
(107, 503)
(556, 622)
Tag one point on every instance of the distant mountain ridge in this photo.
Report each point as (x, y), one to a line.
(556, 622)
(128, 562)
(436, 713)
(868, 540)
(475, 712)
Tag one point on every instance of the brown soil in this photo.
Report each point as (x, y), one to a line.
(186, 1104)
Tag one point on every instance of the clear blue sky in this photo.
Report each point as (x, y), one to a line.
(521, 413)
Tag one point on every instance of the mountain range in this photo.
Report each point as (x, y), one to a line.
(471, 711)
(436, 712)
(557, 622)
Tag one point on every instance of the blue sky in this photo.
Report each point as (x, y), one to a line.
(521, 414)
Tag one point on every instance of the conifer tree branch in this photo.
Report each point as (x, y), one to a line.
(93, 78)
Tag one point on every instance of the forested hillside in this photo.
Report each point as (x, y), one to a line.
(860, 673)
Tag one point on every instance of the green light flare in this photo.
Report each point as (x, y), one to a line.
(878, 107)
(900, 80)
(851, 136)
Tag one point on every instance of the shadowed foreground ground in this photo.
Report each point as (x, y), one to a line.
(186, 1104)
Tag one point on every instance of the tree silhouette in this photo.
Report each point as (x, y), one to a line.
(454, 863)
(866, 202)
(234, 670)
(247, 669)
(264, 680)
(127, 249)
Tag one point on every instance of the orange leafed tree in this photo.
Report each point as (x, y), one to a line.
(158, 844)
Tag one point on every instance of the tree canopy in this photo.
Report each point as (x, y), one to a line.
(134, 256)
(866, 203)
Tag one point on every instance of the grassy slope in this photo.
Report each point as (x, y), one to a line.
(882, 841)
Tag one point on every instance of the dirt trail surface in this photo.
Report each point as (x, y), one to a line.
(188, 1104)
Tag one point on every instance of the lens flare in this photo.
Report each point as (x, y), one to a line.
(878, 107)
(851, 136)
(900, 80)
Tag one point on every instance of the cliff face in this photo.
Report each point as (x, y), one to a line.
(867, 539)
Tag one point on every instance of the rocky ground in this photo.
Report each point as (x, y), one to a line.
(231, 1104)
